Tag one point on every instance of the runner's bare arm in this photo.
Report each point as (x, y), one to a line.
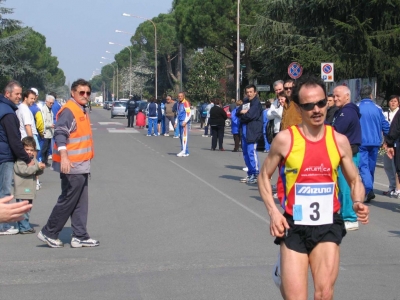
(278, 151)
(350, 172)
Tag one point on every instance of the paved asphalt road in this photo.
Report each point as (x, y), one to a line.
(180, 228)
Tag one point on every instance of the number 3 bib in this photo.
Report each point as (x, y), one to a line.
(313, 203)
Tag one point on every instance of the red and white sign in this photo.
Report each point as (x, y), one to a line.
(327, 72)
(295, 70)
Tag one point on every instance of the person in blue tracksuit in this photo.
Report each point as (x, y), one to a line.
(346, 121)
(265, 124)
(152, 116)
(251, 121)
(373, 124)
(235, 126)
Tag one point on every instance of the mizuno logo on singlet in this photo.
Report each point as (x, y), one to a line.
(314, 190)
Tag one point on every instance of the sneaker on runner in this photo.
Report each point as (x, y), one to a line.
(276, 272)
(246, 169)
(8, 230)
(351, 225)
(77, 243)
(53, 243)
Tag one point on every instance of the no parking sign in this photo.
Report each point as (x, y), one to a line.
(327, 72)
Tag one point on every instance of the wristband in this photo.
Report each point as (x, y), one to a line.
(354, 202)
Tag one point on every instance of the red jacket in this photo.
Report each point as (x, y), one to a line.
(140, 119)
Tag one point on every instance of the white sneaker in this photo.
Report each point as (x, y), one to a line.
(8, 230)
(148, 135)
(77, 243)
(245, 179)
(276, 272)
(351, 225)
(176, 137)
(246, 169)
(166, 134)
(38, 186)
(204, 135)
(181, 154)
(50, 157)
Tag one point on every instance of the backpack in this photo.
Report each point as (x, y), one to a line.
(269, 131)
(203, 110)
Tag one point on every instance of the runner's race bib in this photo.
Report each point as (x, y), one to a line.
(313, 203)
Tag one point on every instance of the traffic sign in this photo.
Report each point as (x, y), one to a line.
(327, 72)
(263, 88)
(295, 70)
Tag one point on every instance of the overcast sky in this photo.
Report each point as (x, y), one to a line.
(78, 31)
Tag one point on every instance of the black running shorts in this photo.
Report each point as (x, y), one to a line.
(303, 238)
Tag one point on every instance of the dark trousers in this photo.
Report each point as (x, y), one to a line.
(236, 139)
(217, 132)
(46, 144)
(202, 122)
(131, 118)
(73, 202)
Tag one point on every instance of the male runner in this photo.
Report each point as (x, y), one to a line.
(310, 230)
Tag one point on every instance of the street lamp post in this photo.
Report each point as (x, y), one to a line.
(130, 65)
(155, 45)
(114, 71)
(113, 76)
(238, 51)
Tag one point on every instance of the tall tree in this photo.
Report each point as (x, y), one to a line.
(212, 23)
(167, 48)
(360, 37)
(206, 70)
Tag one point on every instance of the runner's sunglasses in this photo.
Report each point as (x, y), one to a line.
(310, 106)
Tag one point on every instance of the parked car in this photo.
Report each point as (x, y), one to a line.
(107, 105)
(118, 109)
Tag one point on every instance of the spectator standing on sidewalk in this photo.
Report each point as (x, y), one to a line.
(47, 114)
(265, 124)
(235, 127)
(207, 126)
(388, 163)
(373, 124)
(152, 117)
(25, 182)
(251, 122)
(169, 114)
(347, 122)
(11, 147)
(217, 123)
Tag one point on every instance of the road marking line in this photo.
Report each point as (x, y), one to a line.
(381, 184)
(222, 193)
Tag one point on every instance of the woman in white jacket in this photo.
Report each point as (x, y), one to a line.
(275, 112)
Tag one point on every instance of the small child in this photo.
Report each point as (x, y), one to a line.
(25, 181)
(235, 126)
(140, 119)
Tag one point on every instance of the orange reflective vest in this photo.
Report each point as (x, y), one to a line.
(80, 142)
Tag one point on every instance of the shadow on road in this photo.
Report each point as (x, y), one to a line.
(386, 205)
(397, 233)
(234, 167)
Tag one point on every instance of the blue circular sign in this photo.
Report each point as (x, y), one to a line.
(295, 70)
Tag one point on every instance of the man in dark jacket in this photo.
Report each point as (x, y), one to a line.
(393, 137)
(130, 108)
(347, 122)
(251, 121)
(11, 147)
(332, 109)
